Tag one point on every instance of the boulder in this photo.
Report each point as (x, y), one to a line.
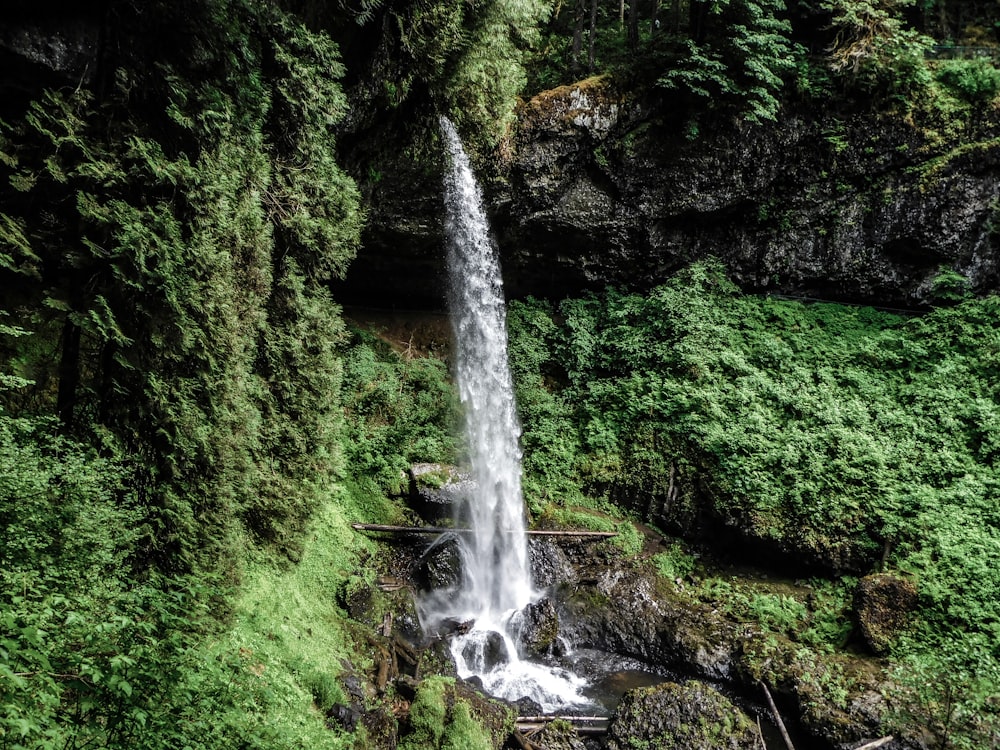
(537, 627)
(437, 490)
(550, 566)
(883, 604)
(439, 567)
(559, 735)
(484, 651)
(692, 716)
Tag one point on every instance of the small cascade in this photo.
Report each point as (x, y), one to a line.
(496, 578)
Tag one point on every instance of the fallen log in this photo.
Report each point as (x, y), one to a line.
(581, 729)
(582, 724)
(876, 743)
(445, 530)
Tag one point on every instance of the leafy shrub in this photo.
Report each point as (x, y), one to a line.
(977, 81)
(674, 563)
(841, 433)
(399, 411)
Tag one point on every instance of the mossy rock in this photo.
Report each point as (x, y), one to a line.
(448, 714)
(883, 603)
(559, 735)
(538, 627)
(692, 716)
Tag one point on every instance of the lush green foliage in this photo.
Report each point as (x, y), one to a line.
(442, 722)
(977, 81)
(196, 225)
(167, 238)
(400, 410)
(843, 435)
(840, 433)
(740, 57)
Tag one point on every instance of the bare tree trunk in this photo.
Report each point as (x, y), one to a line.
(577, 36)
(654, 22)
(633, 24)
(592, 36)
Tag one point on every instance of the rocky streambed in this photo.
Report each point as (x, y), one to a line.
(670, 661)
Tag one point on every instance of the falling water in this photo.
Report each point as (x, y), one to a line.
(496, 582)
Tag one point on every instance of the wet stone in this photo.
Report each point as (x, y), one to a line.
(490, 648)
(549, 564)
(538, 627)
(883, 603)
(692, 716)
(436, 490)
(440, 567)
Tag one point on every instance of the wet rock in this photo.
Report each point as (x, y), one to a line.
(550, 566)
(344, 716)
(39, 47)
(485, 651)
(669, 716)
(437, 490)
(437, 658)
(527, 706)
(440, 567)
(883, 604)
(537, 627)
(865, 207)
(559, 735)
(627, 613)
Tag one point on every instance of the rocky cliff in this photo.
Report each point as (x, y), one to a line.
(603, 186)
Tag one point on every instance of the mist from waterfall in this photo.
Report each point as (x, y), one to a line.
(496, 578)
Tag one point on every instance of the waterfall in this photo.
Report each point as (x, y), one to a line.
(496, 579)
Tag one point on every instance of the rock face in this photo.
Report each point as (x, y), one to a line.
(602, 186)
(537, 627)
(605, 189)
(883, 604)
(47, 43)
(436, 490)
(692, 716)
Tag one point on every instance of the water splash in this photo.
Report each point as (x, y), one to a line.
(496, 578)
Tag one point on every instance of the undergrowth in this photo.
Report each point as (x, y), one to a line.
(850, 438)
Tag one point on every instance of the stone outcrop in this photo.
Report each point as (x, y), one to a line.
(48, 44)
(884, 604)
(436, 490)
(693, 716)
(537, 627)
(602, 186)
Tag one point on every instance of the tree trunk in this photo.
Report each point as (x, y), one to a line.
(577, 36)
(633, 25)
(592, 36)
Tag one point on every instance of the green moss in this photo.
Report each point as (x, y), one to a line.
(427, 715)
(464, 733)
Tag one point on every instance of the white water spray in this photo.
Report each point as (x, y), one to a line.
(496, 583)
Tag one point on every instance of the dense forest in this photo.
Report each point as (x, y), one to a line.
(189, 421)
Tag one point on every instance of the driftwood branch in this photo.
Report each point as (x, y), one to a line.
(445, 530)
(876, 743)
(582, 724)
(777, 717)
